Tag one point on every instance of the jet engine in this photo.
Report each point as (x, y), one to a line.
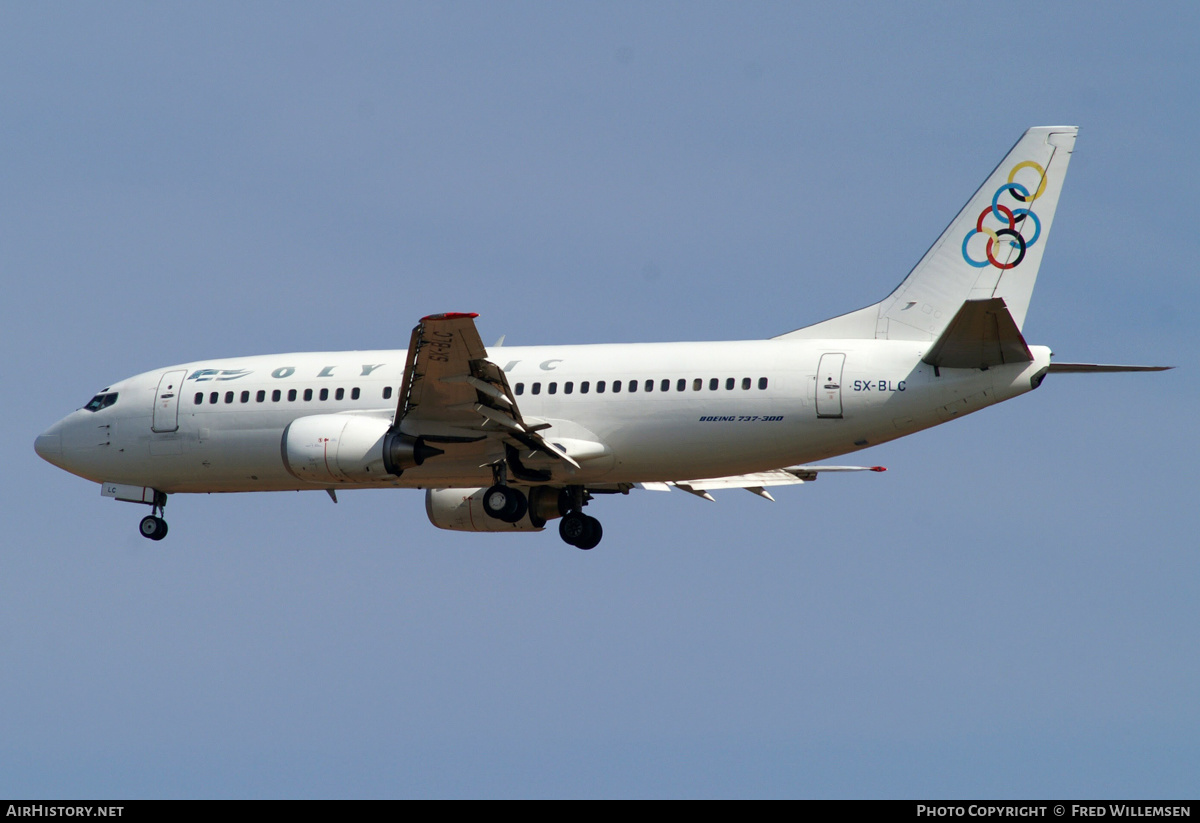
(462, 510)
(347, 448)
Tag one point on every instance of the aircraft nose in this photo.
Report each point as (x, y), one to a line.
(49, 445)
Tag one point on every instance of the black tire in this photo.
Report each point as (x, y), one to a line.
(505, 503)
(592, 534)
(581, 531)
(519, 509)
(153, 528)
(149, 526)
(496, 502)
(572, 527)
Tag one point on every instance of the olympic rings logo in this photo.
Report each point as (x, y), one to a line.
(1014, 222)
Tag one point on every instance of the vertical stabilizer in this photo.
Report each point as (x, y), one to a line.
(992, 249)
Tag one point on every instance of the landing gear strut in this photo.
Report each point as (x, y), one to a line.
(153, 526)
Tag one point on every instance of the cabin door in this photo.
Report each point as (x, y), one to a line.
(829, 385)
(166, 402)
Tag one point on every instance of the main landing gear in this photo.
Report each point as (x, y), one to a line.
(153, 526)
(503, 502)
(580, 530)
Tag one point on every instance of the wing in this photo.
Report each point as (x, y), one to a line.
(758, 481)
(453, 394)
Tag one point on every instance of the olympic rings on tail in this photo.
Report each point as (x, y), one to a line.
(1014, 222)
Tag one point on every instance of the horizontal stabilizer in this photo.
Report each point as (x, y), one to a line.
(982, 333)
(1092, 368)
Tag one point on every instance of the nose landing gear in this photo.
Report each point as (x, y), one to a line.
(153, 527)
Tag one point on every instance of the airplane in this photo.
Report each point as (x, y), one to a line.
(509, 438)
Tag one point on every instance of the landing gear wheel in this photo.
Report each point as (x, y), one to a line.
(505, 503)
(581, 531)
(571, 527)
(592, 535)
(154, 528)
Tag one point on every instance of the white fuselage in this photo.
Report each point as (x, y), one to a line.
(699, 410)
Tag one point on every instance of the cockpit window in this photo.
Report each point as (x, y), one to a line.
(101, 401)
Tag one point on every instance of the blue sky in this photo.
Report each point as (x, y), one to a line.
(1010, 611)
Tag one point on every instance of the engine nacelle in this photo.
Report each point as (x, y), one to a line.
(347, 448)
(462, 510)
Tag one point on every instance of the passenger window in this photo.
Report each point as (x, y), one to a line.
(260, 397)
(212, 398)
(291, 395)
(245, 397)
(599, 387)
(228, 397)
(199, 398)
(649, 385)
(536, 388)
(713, 384)
(275, 395)
(729, 384)
(632, 386)
(745, 383)
(307, 395)
(387, 392)
(616, 386)
(354, 393)
(520, 389)
(697, 384)
(568, 387)
(340, 394)
(324, 394)
(583, 387)
(762, 382)
(681, 385)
